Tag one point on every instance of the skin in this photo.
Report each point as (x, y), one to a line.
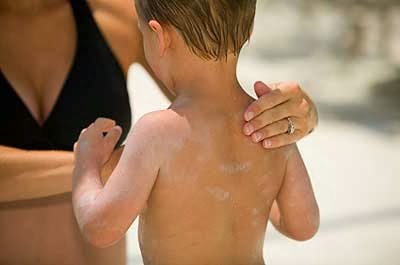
(48, 26)
(203, 192)
(57, 239)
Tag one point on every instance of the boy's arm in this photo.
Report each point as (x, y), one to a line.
(295, 212)
(104, 213)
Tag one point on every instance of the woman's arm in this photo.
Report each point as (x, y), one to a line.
(119, 23)
(36, 174)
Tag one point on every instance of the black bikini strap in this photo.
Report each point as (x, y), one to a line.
(85, 24)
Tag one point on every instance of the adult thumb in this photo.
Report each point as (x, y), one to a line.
(261, 88)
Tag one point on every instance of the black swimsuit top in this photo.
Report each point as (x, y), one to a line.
(95, 87)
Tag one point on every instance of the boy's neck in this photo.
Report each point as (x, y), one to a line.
(197, 79)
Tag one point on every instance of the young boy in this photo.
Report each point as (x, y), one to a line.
(204, 195)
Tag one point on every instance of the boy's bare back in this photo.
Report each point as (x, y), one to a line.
(203, 191)
(204, 196)
(212, 198)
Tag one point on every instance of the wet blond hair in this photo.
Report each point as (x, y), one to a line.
(212, 29)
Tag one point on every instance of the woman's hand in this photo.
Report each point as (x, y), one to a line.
(267, 118)
(96, 144)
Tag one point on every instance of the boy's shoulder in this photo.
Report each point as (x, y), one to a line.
(155, 135)
(162, 120)
(162, 127)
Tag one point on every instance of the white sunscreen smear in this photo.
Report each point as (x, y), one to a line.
(218, 193)
(235, 168)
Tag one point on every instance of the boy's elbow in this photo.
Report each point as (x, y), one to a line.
(95, 225)
(306, 232)
(100, 235)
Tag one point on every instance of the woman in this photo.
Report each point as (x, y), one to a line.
(63, 64)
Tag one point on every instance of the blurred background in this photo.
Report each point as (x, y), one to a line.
(346, 54)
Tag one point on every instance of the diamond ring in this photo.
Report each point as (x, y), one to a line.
(291, 128)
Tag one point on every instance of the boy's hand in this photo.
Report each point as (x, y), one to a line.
(267, 118)
(109, 167)
(96, 144)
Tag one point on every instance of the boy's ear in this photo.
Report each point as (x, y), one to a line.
(163, 36)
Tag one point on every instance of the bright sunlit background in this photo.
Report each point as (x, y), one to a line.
(346, 54)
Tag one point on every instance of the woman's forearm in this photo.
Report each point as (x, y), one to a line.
(34, 174)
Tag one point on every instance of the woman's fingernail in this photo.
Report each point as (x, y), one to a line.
(257, 137)
(267, 144)
(248, 129)
(249, 115)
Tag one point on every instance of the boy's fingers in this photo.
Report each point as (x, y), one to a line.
(104, 124)
(113, 136)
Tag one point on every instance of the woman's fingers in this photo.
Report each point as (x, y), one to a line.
(282, 92)
(270, 116)
(265, 102)
(274, 129)
(282, 140)
(267, 117)
(280, 128)
(262, 89)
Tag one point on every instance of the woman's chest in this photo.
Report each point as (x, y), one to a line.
(57, 75)
(37, 59)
